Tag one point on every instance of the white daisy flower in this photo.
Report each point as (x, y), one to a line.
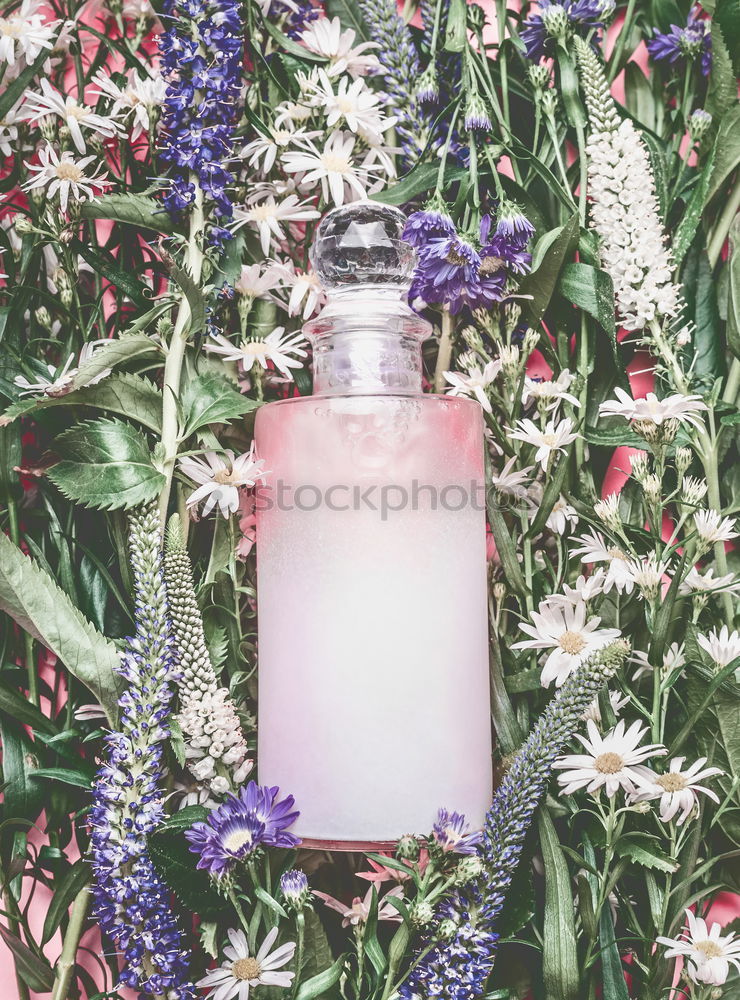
(23, 34)
(241, 971)
(610, 762)
(706, 583)
(306, 291)
(254, 282)
(709, 953)
(475, 382)
(586, 588)
(711, 527)
(353, 106)
(684, 409)
(9, 131)
(262, 152)
(326, 38)
(594, 549)
(274, 347)
(693, 490)
(220, 478)
(288, 113)
(648, 574)
(554, 438)
(723, 646)
(673, 659)
(136, 100)
(676, 788)
(562, 517)
(58, 383)
(266, 217)
(550, 392)
(569, 637)
(63, 175)
(74, 115)
(511, 480)
(342, 176)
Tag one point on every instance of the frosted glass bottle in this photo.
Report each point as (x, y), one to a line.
(373, 667)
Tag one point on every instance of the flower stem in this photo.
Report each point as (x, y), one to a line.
(67, 960)
(722, 227)
(444, 354)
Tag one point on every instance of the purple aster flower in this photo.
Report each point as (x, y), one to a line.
(505, 251)
(558, 20)
(431, 223)
(452, 834)
(241, 824)
(679, 45)
(294, 887)
(447, 267)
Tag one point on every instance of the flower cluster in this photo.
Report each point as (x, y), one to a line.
(680, 45)
(131, 901)
(201, 61)
(556, 22)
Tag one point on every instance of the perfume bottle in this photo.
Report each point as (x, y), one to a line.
(374, 701)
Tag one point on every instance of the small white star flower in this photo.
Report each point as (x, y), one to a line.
(550, 392)
(563, 517)
(241, 972)
(58, 383)
(23, 34)
(707, 583)
(648, 574)
(74, 115)
(220, 478)
(326, 38)
(723, 647)
(306, 291)
(554, 438)
(594, 549)
(586, 588)
(673, 659)
(617, 702)
(711, 527)
(511, 480)
(566, 636)
(684, 409)
(63, 175)
(607, 511)
(709, 953)
(9, 131)
(262, 152)
(353, 106)
(254, 282)
(274, 347)
(336, 167)
(475, 382)
(676, 788)
(610, 761)
(267, 215)
(134, 102)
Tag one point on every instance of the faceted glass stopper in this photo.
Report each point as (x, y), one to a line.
(362, 243)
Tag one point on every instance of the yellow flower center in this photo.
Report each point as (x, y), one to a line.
(615, 553)
(572, 642)
(9, 28)
(550, 440)
(68, 172)
(709, 949)
(236, 840)
(335, 164)
(672, 782)
(345, 104)
(246, 968)
(261, 212)
(453, 257)
(226, 478)
(78, 111)
(609, 763)
(490, 265)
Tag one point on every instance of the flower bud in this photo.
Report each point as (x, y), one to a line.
(468, 869)
(447, 929)
(539, 77)
(43, 317)
(652, 487)
(407, 848)
(693, 490)
(684, 457)
(549, 102)
(699, 124)
(421, 913)
(294, 887)
(23, 225)
(476, 114)
(640, 467)
(427, 89)
(555, 21)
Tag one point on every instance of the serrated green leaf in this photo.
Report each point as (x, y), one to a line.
(727, 15)
(176, 864)
(112, 354)
(591, 289)
(733, 289)
(122, 393)
(316, 946)
(645, 856)
(212, 399)
(105, 464)
(194, 295)
(687, 227)
(658, 164)
(722, 89)
(728, 151)
(548, 259)
(33, 600)
(136, 209)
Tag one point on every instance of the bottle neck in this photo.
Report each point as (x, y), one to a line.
(367, 340)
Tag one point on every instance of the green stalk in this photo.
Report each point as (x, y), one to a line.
(444, 354)
(175, 357)
(28, 656)
(722, 227)
(65, 965)
(616, 56)
(301, 935)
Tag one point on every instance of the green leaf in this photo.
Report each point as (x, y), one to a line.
(288, 45)
(504, 542)
(21, 798)
(316, 946)
(645, 856)
(728, 151)
(123, 393)
(639, 95)
(687, 227)
(212, 399)
(183, 819)
(12, 92)
(612, 973)
(319, 984)
(350, 14)
(574, 110)
(136, 209)
(176, 864)
(35, 972)
(559, 953)
(733, 289)
(548, 259)
(115, 352)
(659, 167)
(70, 886)
(35, 602)
(700, 291)
(456, 38)
(105, 464)
(66, 775)
(103, 262)
(194, 295)
(722, 89)
(419, 179)
(591, 289)
(19, 708)
(727, 15)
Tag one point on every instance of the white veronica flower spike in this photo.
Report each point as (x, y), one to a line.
(475, 382)
(610, 761)
(708, 952)
(684, 409)
(676, 788)
(722, 646)
(554, 438)
(63, 175)
(570, 639)
(241, 972)
(220, 479)
(326, 38)
(74, 115)
(274, 347)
